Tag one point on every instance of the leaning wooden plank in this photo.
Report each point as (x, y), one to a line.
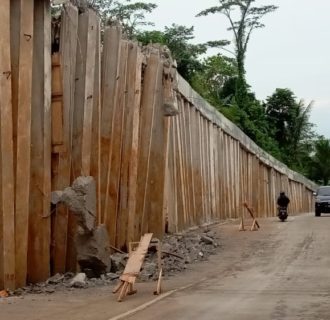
(61, 178)
(151, 74)
(135, 261)
(39, 213)
(23, 138)
(7, 255)
(109, 78)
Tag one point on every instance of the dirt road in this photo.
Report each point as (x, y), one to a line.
(284, 275)
(279, 272)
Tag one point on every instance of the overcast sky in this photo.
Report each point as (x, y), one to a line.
(292, 51)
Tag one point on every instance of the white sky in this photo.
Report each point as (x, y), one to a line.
(292, 51)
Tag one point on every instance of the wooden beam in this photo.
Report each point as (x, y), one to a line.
(152, 72)
(84, 94)
(7, 243)
(109, 78)
(40, 188)
(61, 177)
(23, 136)
(117, 135)
(128, 171)
(83, 113)
(96, 124)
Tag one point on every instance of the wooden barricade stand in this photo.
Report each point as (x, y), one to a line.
(137, 253)
(255, 225)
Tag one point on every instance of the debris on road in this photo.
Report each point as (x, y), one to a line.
(178, 251)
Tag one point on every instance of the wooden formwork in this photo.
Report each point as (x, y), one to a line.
(92, 107)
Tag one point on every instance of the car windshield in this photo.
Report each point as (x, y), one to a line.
(324, 191)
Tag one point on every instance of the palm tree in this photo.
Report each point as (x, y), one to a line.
(321, 161)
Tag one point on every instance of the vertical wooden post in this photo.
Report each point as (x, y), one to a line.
(23, 135)
(152, 72)
(116, 144)
(62, 158)
(7, 221)
(39, 216)
(82, 113)
(128, 171)
(109, 78)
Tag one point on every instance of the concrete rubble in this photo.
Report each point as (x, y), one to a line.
(91, 242)
(179, 251)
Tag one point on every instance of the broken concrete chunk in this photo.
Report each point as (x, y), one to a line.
(56, 197)
(93, 252)
(57, 278)
(81, 200)
(207, 239)
(79, 281)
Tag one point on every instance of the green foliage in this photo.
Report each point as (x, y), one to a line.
(320, 161)
(289, 125)
(132, 15)
(249, 19)
(212, 77)
(178, 39)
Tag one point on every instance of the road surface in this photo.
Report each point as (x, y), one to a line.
(281, 274)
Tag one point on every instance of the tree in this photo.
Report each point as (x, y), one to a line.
(288, 122)
(178, 39)
(131, 15)
(320, 164)
(250, 17)
(211, 80)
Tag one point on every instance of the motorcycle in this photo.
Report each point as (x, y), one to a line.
(282, 213)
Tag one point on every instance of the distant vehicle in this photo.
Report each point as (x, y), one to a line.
(322, 200)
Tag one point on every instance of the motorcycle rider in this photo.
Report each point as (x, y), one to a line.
(283, 200)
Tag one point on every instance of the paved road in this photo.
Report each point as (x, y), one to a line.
(281, 275)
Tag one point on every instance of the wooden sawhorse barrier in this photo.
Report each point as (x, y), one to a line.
(255, 225)
(134, 264)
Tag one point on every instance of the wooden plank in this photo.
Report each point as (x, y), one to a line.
(135, 261)
(39, 213)
(57, 101)
(83, 112)
(172, 185)
(156, 176)
(116, 143)
(7, 254)
(84, 94)
(198, 172)
(189, 164)
(23, 142)
(62, 177)
(190, 144)
(110, 74)
(151, 74)
(96, 123)
(182, 218)
(128, 179)
(213, 133)
(181, 167)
